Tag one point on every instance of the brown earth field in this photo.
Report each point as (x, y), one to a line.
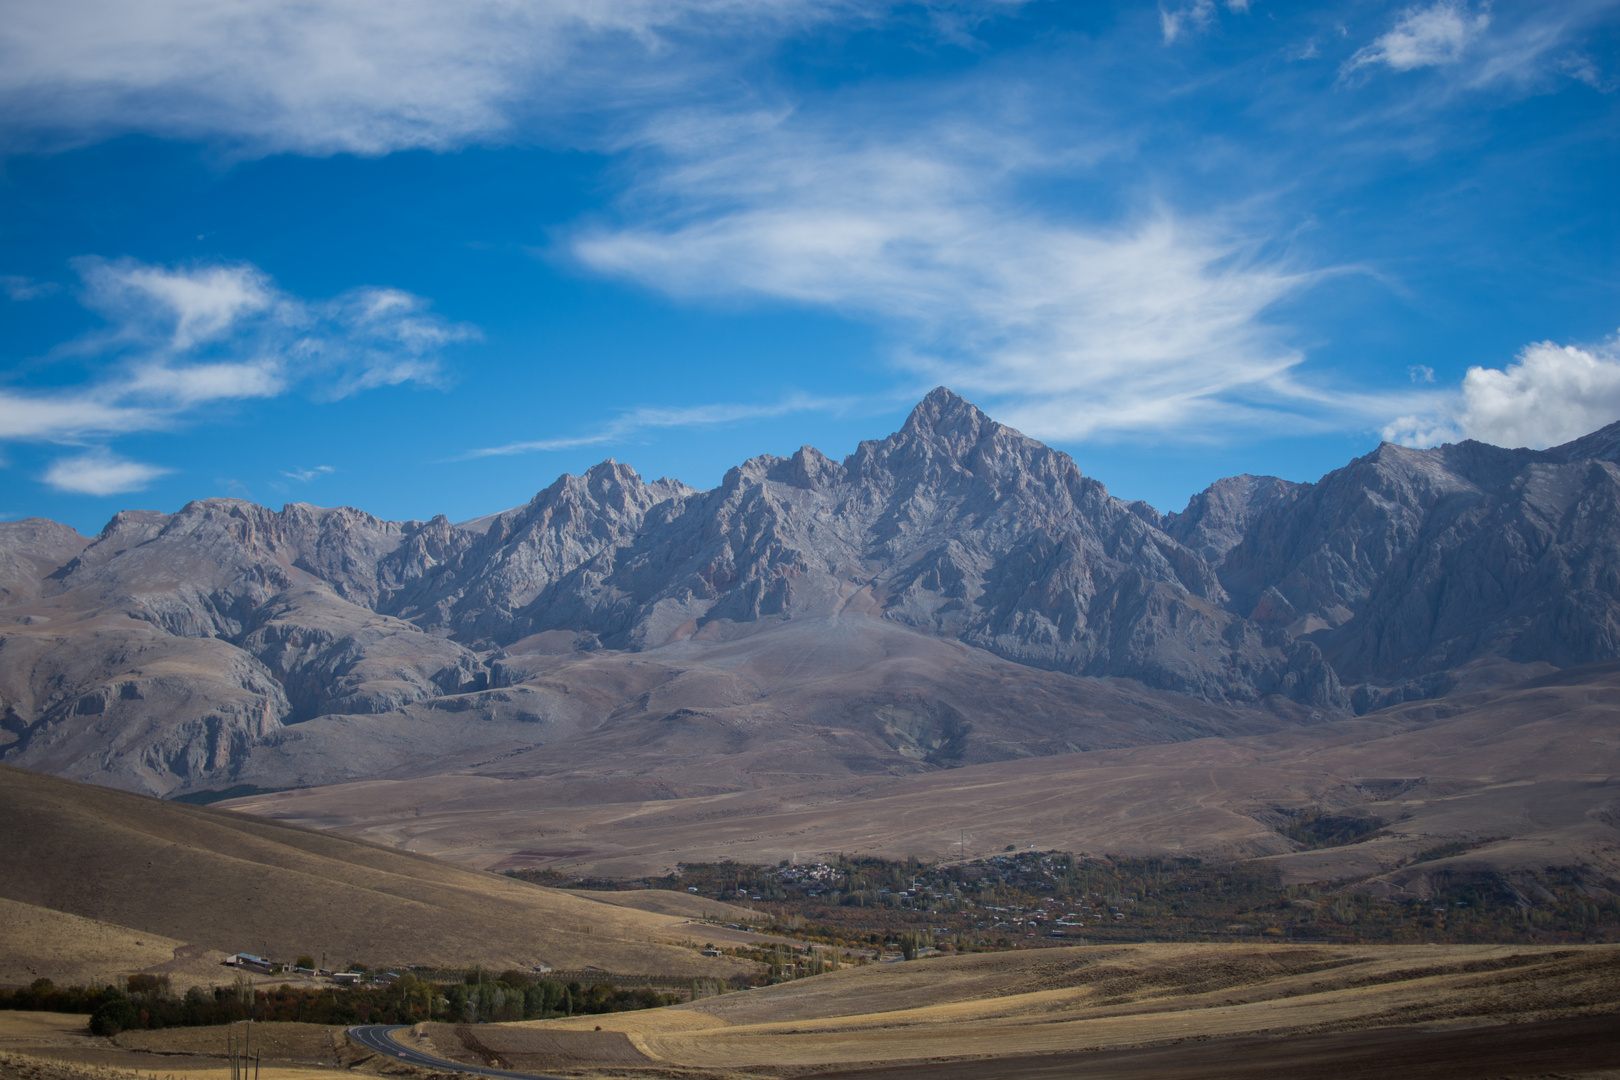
(1528, 775)
(59, 1046)
(100, 883)
(1126, 1011)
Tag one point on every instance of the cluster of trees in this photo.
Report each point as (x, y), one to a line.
(149, 1001)
(515, 995)
(144, 1001)
(42, 995)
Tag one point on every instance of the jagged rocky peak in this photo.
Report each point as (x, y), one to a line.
(950, 457)
(1370, 586)
(1217, 518)
(810, 469)
(609, 486)
(946, 433)
(948, 421)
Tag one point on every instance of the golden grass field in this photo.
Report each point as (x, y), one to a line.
(1066, 1002)
(102, 883)
(1169, 1012)
(37, 942)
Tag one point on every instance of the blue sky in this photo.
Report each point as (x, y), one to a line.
(423, 258)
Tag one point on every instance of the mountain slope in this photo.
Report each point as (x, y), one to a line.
(229, 643)
(233, 883)
(1410, 564)
(1518, 779)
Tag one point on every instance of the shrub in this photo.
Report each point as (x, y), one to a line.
(114, 1016)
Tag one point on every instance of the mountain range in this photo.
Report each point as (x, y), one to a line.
(954, 594)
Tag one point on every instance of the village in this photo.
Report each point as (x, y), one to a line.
(1046, 899)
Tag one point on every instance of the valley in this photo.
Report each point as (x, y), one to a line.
(1522, 777)
(1301, 772)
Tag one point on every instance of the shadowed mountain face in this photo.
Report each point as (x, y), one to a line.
(229, 643)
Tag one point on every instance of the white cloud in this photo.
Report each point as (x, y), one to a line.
(1194, 17)
(372, 337)
(327, 76)
(304, 476)
(1071, 330)
(1424, 37)
(636, 421)
(99, 472)
(199, 303)
(1524, 48)
(193, 384)
(1549, 395)
(69, 415)
(178, 338)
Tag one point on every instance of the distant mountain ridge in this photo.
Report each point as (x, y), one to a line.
(171, 645)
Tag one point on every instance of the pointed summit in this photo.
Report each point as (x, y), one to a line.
(946, 419)
(943, 409)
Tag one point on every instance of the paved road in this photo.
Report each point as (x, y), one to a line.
(378, 1037)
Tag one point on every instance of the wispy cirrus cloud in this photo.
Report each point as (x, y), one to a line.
(336, 76)
(1424, 37)
(70, 415)
(178, 339)
(1179, 21)
(191, 334)
(1154, 318)
(1150, 319)
(1479, 47)
(1073, 330)
(635, 422)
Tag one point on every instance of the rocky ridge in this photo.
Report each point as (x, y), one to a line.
(161, 653)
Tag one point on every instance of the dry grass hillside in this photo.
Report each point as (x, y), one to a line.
(59, 1046)
(1530, 772)
(37, 942)
(210, 879)
(665, 902)
(1074, 1006)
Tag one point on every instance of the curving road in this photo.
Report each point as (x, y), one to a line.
(379, 1037)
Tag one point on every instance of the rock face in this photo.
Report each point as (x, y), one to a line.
(161, 653)
(1408, 565)
(955, 525)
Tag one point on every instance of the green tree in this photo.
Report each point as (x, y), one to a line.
(114, 1016)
